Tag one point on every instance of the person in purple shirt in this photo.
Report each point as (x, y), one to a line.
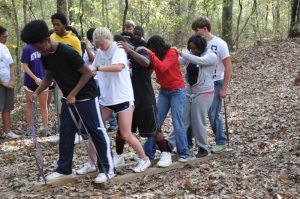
(34, 73)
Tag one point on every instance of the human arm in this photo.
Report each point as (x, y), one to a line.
(206, 60)
(89, 52)
(4, 84)
(110, 68)
(30, 73)
(142, 60)
(12, 75)
(297, 80)
(181, 60)
(227, 72)
(48, 79)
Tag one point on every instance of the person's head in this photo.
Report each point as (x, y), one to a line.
(71, 28)
(138, 33)
(89, 34)
(3, 35)
(37, 34)
(59, 22)
(157, 45)
(102, 38)
(129, 26)
(201, 26)
(128, 36)
(197, 44)
(51, 31)
(119, 38)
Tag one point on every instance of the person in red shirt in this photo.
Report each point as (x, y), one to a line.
(172, 93)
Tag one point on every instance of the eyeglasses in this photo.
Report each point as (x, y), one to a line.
(5, 37)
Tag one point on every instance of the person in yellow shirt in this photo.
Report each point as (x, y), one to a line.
(59, 22)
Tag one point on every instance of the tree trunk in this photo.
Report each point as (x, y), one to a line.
(295, 27)
(81, 16)
(60, 6)
(227, 22)
(277, 15)
(238, 23)
(106, 9)
(125, 14)
(103, 13)
(66, 10)
(25, 11)
(71, 12)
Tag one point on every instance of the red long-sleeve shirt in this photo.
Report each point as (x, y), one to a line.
(168, 73)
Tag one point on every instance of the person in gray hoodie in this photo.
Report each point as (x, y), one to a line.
(200, 64)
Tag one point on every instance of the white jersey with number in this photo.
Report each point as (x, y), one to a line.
(115, 87)
(219, 46)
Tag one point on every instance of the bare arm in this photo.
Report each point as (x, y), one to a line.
(30, 73)
(12, 75)
(227, 72)
(48, 79)
(89, 52)
(110, 68)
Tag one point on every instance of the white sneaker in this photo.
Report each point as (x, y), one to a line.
(118, 160)
(55, 139)
(102, 178)
(87, 168)
(57, 176)
(184, 159)
(142, 166)
(77, 139)
(165, 160)
(12, 135)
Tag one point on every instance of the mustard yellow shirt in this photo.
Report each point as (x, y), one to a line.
(69, 40)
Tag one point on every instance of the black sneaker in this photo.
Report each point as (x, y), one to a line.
(85, 137)
(201, 153)
(113, 127)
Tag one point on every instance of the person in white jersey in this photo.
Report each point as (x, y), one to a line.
(221, 79)
(116, 93)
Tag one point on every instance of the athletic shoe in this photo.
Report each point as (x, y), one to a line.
(118, 160)
(57, 176)
(55, 139)
(201, 153)
(113, 127)
(142, 166)
(165, 160)
(219, 149)
(183, 158)
(85, 137)
(87, 168)
(102, 178)
(12, 135)
(77, 139)
(28, 132)
(45, 132)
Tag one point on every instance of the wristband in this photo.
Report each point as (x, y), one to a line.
(97, 68)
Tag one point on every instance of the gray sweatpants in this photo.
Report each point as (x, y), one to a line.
(195, 111)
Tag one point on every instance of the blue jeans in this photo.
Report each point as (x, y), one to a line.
(220, 136)
(174, 99)
(112, 119)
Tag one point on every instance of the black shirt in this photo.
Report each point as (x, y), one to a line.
(63, 65)
(142, 43)
(193, 72)
(141, 82)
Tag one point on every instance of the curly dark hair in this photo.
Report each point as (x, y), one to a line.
(89, 34)
(34, 32)
(60, 17)
(119, 38)
(140, 28)
(2, 30)
(158, 44)
(199, 41)
(71, 28)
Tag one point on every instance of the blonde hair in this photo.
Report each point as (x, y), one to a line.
(129, 23)
(102, 33)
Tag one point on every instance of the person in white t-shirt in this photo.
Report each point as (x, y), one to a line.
(7, 83)
(221, 79)
(116, 93)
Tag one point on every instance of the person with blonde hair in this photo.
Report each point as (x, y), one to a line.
(116, 95)
(129, 26)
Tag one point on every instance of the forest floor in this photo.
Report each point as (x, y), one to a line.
(264, 129)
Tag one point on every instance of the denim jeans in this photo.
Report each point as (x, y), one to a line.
(112, 119)
(220, 136)
(174, 99)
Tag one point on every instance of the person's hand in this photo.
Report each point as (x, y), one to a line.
(32, 98)
(222, 94)
(142, 47)
(51, 83)
(38, 81)
(70, 99)
(177, 51)
(11, 84)
(82, 41)
(6, 85)
(297, 80)
(125, 46)
(93, 51)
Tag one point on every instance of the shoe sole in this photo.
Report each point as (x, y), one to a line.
(163, 165)
(105, 180)
(87, 172)
(198, 156)
(214, 152)
(142, 171)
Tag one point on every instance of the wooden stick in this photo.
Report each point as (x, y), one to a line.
(131, 176)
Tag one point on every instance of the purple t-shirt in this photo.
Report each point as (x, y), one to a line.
(33, 58)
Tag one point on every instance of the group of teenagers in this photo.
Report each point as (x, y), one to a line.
(114, 76)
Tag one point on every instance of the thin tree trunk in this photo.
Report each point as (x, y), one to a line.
(205, 8)
(71, 11)
(30, 8)
(103, 13)
(277, 15)
(227, 22)
(238, 23)
(25, 11)
(106, 9)
(81, 16)
(293, 15)
(66, 10)
(42, 11)
(60, 6)
(125, 14)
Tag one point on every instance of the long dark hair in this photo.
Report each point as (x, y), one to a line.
(159, 45)
(199, 41)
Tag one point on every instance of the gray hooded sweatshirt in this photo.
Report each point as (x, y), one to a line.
(207, 66)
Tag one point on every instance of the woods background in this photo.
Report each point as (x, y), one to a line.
(239, 22)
